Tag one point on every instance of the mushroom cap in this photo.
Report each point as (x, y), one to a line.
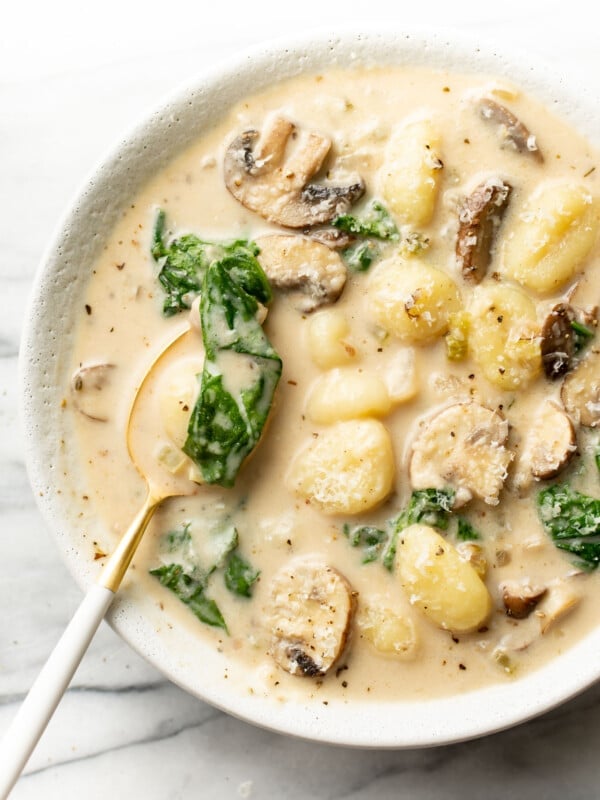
(264, 177)
(309, 270)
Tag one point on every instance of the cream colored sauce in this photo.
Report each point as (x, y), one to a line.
(126, 328)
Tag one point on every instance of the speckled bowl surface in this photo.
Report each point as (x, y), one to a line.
(58, 290)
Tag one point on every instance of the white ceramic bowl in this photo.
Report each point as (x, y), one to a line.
(58, 290)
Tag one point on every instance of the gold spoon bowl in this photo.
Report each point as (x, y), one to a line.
(143, 434)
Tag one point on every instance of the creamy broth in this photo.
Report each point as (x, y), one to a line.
(123, 326)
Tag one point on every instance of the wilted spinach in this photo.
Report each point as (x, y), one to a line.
(184, 261)
(189, 580)
(240, 576)
(376, 223)
(190, 591)
(241, 369)
(370, 539)
(572, 520)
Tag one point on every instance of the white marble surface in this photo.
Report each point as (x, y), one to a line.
(72, 77)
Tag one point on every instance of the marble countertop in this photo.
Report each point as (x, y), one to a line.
(72, 78)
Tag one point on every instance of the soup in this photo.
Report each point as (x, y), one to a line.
(387, 391)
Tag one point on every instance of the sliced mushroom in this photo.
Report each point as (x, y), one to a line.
(520, 598)
(513, 132)
(580, 392)
(463, 447)
(309, 617)
(473, 554)
(560, 600)
(314, 274)
(560, 337)
(549, 445)
(479, 219)
(261, 177)
(558, 341)
(89, 387)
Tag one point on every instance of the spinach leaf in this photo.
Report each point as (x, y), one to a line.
(179, 539)
(466, 532)
(200, 555)
(431, 507)
(158, 249)
(582, 335)
(369, 538)
(428, 506)
(376, 223)
(241, 370)
(184, 262)
(572, 520)
(360, 256)
(240, 576)
(190, 591)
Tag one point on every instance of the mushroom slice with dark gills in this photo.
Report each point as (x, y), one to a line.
(309, 616)
(562, 334)
(264, 177)
(520, 598)
(463, 447)
(513, 133)
(479, 219)
(90, 391)
(549, 445)
(310, 271)
(558, 341)
(580, 392)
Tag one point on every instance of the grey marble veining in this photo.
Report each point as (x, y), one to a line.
(122, 730)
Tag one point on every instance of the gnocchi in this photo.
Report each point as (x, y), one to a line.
(329, 341)
(412, 300)
(388, 631)
(552, 236)
(178, 394)
(505, 336)
(410, 176)
(347, 469)
(347, 394)
(445, 588)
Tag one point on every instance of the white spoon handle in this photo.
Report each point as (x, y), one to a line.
(50, 685)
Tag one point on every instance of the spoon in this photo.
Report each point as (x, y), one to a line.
(54, 678)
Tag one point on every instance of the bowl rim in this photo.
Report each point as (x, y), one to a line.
(424, 722)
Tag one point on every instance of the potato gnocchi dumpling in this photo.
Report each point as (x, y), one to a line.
(329, 341)
(445, 588)
(347, 394)
(179, 390)
(412, 300)
(505, 336)
(410, 175)
(347, 469)
(552, 236)
(388, 631)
